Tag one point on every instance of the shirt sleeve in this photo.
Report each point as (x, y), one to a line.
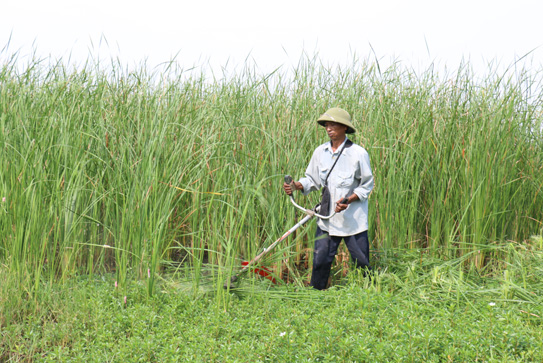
(365, 187)
(311, 181)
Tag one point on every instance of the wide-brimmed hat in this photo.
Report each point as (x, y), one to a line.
(340, 116)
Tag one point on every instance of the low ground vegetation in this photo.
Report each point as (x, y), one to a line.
(413, 309)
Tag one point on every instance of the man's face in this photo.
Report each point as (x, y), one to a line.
(334, 130)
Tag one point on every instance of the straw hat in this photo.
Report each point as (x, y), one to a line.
(340, 116)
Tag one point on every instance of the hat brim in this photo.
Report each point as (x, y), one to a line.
(350, 128)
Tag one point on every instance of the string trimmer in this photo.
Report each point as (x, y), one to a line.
(310, 213)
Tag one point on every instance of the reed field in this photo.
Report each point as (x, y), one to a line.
(153, 180)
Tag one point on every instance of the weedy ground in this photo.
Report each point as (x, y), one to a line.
(414, 308)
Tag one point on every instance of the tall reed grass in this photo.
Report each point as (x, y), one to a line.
(134, 172)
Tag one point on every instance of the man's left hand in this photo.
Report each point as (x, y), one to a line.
(340, 206)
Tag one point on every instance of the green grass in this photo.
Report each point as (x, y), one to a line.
(417, 309)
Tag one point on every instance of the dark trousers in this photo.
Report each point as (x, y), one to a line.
(325, 252)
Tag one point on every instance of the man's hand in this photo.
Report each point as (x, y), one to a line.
(340, 206)
(288, 188)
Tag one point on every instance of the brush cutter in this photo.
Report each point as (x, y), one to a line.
(310, 213)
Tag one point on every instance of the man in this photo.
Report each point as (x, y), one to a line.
(350, 177)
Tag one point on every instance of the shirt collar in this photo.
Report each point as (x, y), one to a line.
(328, 146)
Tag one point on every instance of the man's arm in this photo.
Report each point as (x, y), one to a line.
(365, 187)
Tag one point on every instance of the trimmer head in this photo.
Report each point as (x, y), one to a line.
(262, 271)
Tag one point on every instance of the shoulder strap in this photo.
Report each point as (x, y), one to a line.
(348, 143)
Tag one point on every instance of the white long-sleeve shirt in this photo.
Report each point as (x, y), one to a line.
(352, 172)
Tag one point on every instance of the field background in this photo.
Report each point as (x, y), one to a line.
(146, 180)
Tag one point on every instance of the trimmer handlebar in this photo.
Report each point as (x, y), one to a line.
(288, 179)
(311, 212)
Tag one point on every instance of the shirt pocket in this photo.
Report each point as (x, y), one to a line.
(322, 175)
(344, 179)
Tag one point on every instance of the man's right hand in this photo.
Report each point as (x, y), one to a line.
(288, 188)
